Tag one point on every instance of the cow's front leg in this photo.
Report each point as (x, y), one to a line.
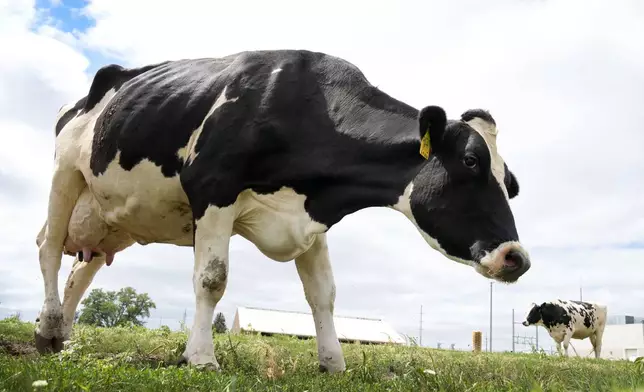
(79, 280)
(566, 341)
(212, 238)
(66, 186)
(314, 269)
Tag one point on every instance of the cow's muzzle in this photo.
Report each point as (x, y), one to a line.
(515, 264)
(525, 324)
(507, 263)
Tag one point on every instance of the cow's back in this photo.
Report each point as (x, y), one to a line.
(262, 121)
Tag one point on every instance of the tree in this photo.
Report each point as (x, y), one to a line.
(113, 309)
(220, 323)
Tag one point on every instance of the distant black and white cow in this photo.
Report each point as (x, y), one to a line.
(276, 146)
(565, 320)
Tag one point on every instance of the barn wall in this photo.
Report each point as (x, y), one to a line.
(617, 340)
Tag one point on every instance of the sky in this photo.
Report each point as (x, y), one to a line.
(564, 81)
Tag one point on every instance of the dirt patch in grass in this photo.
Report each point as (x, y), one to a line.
(17, 348)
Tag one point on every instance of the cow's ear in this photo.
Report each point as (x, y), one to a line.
(432, 121)
(511, 183)
(533, 305)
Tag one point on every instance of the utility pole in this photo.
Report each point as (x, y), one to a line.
(512, 329)
(536, 330)
(420, 332)
(491, 316)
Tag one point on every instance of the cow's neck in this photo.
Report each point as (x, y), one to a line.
(388, 156)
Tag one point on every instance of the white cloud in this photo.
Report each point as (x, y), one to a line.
(38, 73)
(563, 79)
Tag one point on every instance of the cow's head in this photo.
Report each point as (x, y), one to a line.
(459, 200)
(534, 315)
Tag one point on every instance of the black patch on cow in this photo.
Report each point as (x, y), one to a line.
(70, 114)
(480, 113)
(553, 314)
(316, 126)
(111, 77)
(587, 311)
(534, 315)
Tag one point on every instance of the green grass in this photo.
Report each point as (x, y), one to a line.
(137, 359)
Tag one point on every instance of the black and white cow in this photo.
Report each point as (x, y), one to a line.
(565, 320)
(276, 146)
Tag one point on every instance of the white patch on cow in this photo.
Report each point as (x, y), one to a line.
(188, 153)
(489, 132)
(276, 223)
(144, 203)
(276, 70)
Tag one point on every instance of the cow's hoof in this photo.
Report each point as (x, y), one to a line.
(209, 366)
(48, 345)
(331, 369)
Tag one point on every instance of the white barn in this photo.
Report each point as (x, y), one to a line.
(300, 324)
(623, 339)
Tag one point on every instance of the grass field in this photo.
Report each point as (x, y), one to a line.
(137, 359)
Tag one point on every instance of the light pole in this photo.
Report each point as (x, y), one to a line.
(491, 316)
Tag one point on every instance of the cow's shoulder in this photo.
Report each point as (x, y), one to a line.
(555, 313)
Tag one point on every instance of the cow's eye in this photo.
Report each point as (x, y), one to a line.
(470, 161)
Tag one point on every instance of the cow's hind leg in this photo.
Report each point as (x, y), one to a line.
(316, 275)
(80, 278)
(66, 186)
(212, 238)
(596, 340)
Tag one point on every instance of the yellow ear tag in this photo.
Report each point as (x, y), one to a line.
(425, 146)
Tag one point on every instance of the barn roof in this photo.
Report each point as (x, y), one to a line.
(301, 324)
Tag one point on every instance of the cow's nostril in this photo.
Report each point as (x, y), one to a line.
(513, 261)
